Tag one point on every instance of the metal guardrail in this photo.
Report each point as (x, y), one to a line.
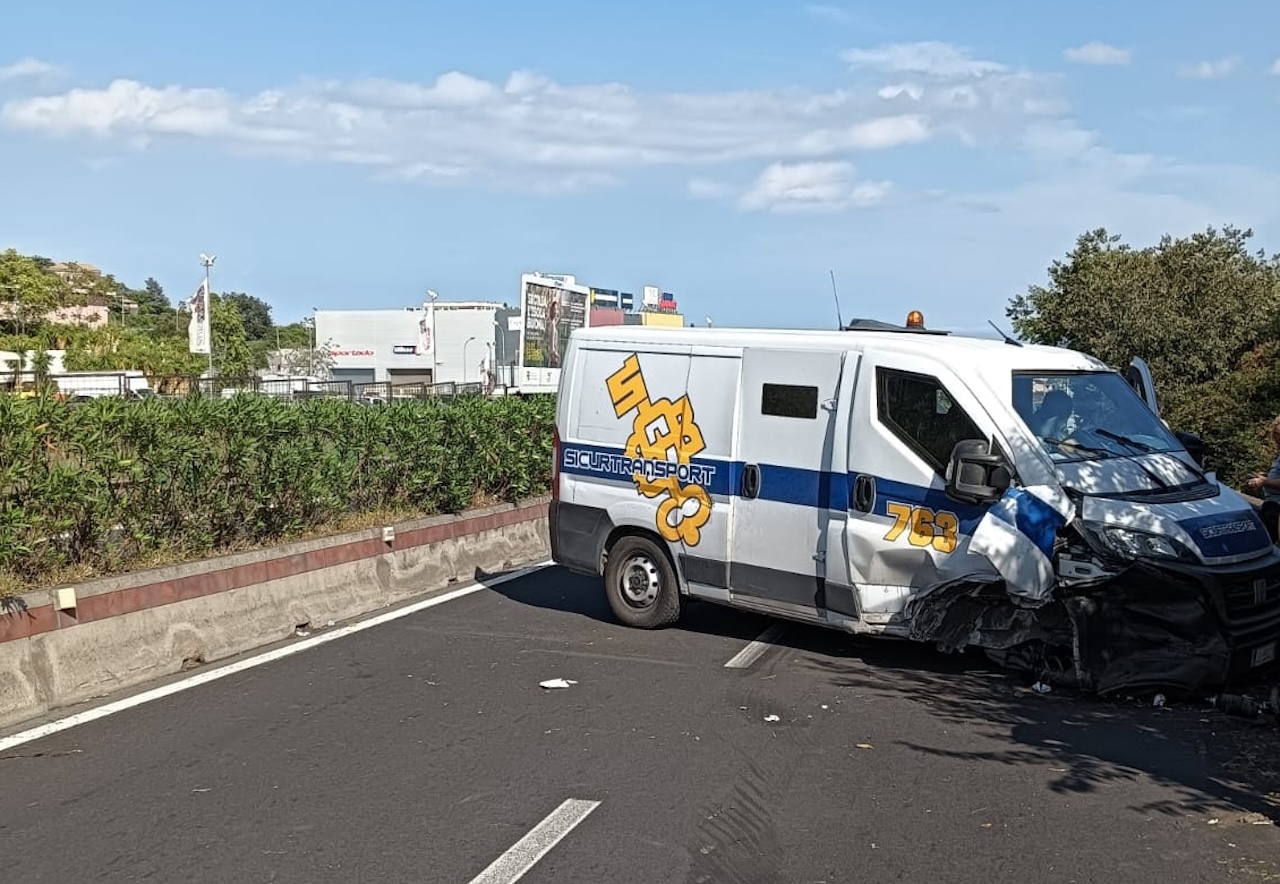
(78, 387)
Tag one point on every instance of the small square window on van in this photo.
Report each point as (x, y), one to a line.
(788, 400)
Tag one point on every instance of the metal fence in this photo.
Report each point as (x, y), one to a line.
(79, 387)
(364, 393)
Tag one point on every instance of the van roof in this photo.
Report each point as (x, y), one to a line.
(985, 352)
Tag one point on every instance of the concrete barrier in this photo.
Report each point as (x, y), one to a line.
(130, 629)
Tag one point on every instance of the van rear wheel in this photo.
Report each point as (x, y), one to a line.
(641, 584)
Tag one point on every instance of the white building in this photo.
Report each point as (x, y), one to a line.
(447, 341)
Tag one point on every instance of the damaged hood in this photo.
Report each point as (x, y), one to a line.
(1141, 474)
(1219, 530)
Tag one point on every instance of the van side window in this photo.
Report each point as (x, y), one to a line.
(787, 400)
(920, 412)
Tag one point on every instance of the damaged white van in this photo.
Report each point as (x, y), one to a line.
(900, 481)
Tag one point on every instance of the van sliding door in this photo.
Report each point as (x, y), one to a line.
(784, 487)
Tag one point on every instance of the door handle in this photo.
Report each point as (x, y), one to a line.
(864, 493)
(750, 481)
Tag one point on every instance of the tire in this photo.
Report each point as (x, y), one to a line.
(641, 584)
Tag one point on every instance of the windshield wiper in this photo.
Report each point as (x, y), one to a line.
(1149, 449)
(1063, 443)
(1125, 440)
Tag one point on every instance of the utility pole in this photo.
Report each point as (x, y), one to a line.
(207, 261)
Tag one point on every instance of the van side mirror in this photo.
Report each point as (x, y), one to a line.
(1194, 445)
(975, 474)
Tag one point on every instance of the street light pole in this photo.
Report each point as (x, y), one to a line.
(502, 353)
(311, 354)
(207, 261)
(435, 341)
(464, 357)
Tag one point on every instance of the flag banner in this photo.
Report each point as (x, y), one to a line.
(198, 336)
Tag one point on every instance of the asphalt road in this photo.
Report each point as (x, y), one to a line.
(424, 750)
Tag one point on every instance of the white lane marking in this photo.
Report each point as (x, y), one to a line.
(525, 853)
(201, 678)
(752, 652)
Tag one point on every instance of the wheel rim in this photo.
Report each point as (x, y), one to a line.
(639, 581)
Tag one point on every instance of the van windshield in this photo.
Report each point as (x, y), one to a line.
(1083, 415)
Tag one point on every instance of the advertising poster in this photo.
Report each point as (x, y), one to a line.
(551, 310)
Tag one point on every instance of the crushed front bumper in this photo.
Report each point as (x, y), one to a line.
(1176, 627)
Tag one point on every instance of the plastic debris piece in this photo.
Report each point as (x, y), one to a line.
(1041, 688)
(1158, 701)
(772, 718)
(865, 746)
(553, 683)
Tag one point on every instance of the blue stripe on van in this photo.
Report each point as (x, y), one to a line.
(610, 463)
(779, 484)
(888, 491)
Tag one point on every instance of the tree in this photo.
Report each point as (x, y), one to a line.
(233, 357)
(255, 314)
(304, 361)
(152, 299)
(27, 291)
(1203, 311)
(1190, 307)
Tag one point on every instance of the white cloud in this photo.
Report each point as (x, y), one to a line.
(831, 14)
(930, 58)
(1098, 53)
(706, 189)
(28, 68)
(843, 17)
(1275, 68)
(811, 187)
(1210, 70)
(531, 132)
(892, 91)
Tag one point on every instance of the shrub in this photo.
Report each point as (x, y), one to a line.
(108, 484)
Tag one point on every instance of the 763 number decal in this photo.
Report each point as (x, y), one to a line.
(923, 527)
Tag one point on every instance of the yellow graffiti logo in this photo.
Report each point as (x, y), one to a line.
(666, 431)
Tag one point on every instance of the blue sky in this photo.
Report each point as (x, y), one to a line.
(935, 155)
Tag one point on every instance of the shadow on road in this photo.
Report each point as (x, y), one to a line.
(555, 589)
(1087, 743)
(1213, 764)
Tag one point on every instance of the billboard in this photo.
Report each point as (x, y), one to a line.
(551, 309)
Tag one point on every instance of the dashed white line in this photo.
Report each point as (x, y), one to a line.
(525, 853)
(207, 676)
(752, 652)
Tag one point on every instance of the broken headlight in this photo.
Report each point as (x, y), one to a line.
(1130, 543)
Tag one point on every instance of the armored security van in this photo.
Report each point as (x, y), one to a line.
(904, 482)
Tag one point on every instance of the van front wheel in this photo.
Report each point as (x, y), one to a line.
(641, 584)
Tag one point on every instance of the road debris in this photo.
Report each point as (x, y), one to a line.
(556, 683)
(772, 718)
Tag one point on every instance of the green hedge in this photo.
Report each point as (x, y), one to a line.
(111, 483)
